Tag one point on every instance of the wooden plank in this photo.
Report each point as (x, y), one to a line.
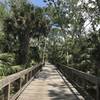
(74, 76)
(6, 91)
(91, 78)
(21, 90)
(9, 79)
(49, 86)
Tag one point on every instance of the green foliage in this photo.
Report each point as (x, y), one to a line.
(33, 62)
(2, 41)
(35, 54)
(7, 64)
(7, 58)
(25, 22)
(6, 70)
(69, 42)
(14, 69)
(80, 47)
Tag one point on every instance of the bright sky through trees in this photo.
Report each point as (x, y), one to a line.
(38, 2)
(35, 2)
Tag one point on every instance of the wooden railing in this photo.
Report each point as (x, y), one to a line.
(12, 86)
(88, 85)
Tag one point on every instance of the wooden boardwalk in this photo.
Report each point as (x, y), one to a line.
(49, 86)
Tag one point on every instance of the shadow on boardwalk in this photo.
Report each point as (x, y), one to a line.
(59, 93)
(48, 85)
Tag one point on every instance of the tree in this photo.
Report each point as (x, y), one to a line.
(26, 21)
(81, 39)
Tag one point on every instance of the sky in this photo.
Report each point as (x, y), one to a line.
(35, 2)
(38, 2)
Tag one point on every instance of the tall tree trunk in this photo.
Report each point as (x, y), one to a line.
(23, 52)
(44, 50)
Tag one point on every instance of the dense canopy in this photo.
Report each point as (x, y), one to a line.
(63, 31)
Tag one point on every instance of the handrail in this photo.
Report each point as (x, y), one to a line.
(18, 81)
(86, 76)
(82, 81)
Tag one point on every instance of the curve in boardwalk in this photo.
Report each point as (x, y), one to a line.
(49, 86)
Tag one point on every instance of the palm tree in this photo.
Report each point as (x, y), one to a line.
(25, 22)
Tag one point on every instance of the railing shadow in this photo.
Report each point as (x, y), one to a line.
(59, 92)
(70, 86)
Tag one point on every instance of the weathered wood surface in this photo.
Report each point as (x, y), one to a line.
(91, 78)
(88, 85)
(49, 86)
(17, 82)
(12, 78)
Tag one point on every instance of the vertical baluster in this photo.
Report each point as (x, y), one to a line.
(6, 92)
(72, 75)
(98, 91)
(21, 83)
(30, 74)
(26, 78)
(84, 84)
(16, 85)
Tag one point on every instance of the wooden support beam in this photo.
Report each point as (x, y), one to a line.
(17, 82)
(6, 92)
(98, 91)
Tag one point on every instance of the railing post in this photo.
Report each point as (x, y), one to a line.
(16, 82)
(26, 78)
(17, 85)
(97, 90)
(31, 74)
(6, 92)
(41, 67)
(20, 83)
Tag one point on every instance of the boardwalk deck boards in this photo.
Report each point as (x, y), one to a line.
(49, 86)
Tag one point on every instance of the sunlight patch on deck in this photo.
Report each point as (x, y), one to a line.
(49, 86)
